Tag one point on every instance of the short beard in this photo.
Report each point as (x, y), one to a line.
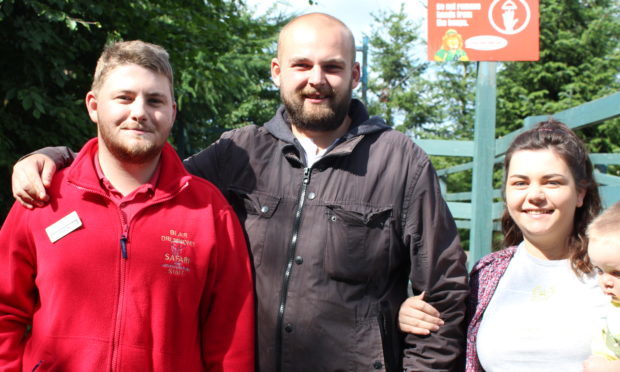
(138, 154)
(325, 121)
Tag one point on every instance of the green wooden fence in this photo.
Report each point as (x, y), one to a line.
(480, 210)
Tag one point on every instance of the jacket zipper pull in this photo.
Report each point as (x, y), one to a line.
(307, 173)
(124, 246)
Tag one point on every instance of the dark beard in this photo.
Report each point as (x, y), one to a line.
(325, 121)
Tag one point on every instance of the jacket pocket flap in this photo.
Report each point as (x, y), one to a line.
(360, 216)
(258, 203)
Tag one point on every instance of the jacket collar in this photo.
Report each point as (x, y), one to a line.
(280, 127)
(361, 123)
(172, 178)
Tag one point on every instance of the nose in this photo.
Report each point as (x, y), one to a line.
(606, 280)
(138, 110)
(317, 76)
(536, 194)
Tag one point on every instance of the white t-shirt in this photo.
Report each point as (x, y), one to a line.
(313, 153)
(542, 317)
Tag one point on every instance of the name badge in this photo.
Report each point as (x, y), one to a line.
(63, 226)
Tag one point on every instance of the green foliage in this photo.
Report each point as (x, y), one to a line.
(579, 62)
(219, 50)
(454, 97)
(410, 94)
(397, 82)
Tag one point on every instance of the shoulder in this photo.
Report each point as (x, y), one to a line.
(248, 131)
(231, 146)
(244, 139)
(494, 261)
(204, 192)
(204, 202)
(392, 143)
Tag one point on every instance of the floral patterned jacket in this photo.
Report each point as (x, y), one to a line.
(483, 280)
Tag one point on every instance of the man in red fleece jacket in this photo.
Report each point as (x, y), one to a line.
(135, 264)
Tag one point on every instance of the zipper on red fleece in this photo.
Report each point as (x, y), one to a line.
(118, 324)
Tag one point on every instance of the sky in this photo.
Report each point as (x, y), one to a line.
(355, 14)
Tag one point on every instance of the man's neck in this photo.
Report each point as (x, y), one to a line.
(323, 140)
(126, 177)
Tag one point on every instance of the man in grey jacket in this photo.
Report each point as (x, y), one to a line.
(341, 212)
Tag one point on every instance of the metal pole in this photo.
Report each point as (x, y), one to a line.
(481, 233)
(364, 78)
(365, 70)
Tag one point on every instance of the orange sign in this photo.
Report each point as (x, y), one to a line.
(483, 30)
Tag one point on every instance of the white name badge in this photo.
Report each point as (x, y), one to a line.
(63, 226)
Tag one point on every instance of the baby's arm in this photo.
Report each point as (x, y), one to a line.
(597, 363)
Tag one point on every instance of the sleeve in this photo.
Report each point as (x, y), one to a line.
(226, 161)
(61, 155)
(18, 295)
(228, 331)
(438, 268)
(205, 164)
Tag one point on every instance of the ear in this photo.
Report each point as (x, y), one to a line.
(91, 105)
(356, 75)
(275, 71)
(174, 112)
(581, 194)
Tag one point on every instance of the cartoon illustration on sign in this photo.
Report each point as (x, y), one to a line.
(514, 15)
(451, 48)
(483, 30)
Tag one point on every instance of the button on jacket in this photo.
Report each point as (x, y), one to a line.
(335, 244)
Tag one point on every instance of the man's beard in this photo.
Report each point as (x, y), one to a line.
(323, 118)
(136, 154)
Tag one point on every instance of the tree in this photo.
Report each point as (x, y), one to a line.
(397, 86)
(579, 62)
(411, 94)
(219, 50)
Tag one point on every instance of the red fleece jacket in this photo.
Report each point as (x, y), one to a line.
(169, 290)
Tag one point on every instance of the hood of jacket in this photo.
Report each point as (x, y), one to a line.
(361, 123)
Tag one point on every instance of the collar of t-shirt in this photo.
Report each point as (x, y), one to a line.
(313, 153)
(130, 203)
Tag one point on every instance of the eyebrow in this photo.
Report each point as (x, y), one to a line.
(327, 61)
(546, 176)
(155, 93)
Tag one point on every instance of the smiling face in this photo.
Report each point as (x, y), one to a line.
(315, 72)
(134, 111)
(541, 197)
(604, 254)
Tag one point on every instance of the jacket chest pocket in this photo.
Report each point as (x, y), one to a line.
(357, 242)
(255, 211)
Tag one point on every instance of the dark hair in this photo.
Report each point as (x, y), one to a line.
(556, 136)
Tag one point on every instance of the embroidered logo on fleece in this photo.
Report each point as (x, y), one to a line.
(177, 262)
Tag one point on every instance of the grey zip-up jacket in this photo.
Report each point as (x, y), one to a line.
(334, 246)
